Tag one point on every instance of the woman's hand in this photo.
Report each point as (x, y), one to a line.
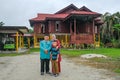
(57, 47)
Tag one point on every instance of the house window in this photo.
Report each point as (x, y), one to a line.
(42, 28)
(57, 25)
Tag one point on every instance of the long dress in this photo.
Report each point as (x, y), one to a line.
(59, 57)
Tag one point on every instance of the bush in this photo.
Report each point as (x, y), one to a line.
(117, 45)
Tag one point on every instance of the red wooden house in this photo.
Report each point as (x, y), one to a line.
(72, 25)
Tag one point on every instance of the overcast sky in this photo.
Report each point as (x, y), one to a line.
(18, 12)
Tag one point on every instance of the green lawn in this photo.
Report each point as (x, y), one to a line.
(110, 52)
(34, 50)
(113, 55)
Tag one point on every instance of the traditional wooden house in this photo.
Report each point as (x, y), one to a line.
(72, 25)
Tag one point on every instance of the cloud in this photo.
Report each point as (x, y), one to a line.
(18, 12)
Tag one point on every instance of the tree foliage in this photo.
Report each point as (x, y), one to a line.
(110, 30)
(1, 23)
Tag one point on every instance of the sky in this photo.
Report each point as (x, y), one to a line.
(18, 12)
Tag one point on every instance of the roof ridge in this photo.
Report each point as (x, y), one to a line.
(71, 5)
(84, 8)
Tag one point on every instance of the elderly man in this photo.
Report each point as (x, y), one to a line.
(45, 46)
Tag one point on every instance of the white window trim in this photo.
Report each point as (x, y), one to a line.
(57, 28)
(43, 28)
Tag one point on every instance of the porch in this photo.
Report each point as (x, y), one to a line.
(62, 37)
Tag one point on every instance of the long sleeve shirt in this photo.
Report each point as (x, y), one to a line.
(45, 45)
(54, 53)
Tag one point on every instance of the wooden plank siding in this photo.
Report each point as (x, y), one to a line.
(82, 38)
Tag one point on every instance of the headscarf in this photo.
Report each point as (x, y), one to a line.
(53, 35)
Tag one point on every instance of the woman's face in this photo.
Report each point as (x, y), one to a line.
(53, 38)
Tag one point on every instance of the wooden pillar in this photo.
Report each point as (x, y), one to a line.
(50, 36)
(74, 29)
(62, 42)
(99, 39)
(28, 42)
(20, 41)
(93, 28)
(98, 28)
(94, 39)
(93, 32)
(16, 41)
(49, 23)
(34, 40)
(70, 28)
(75, 26)
(66, 38)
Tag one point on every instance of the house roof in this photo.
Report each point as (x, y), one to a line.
(57, 16)
(63, 14)
(43, 17)
(13, 29)
(84, 13)
(71, 6)
(85, 9)
(40, 17)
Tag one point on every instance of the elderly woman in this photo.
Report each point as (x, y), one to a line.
(58, 47)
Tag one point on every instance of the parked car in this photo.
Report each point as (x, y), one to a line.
(9, 45)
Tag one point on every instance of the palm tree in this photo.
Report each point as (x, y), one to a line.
(117, 31)
(116, 27)
(109, 27)
(106, 27)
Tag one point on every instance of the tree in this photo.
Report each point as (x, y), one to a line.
(1, 23)
(108, 29)
(116, 26)
(117, 31)
(30, 31)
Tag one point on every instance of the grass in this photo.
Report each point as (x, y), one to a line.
(34, 50)
(117, 70)
(110, 52)
(111, 63)
(13, 54)
(31, 50)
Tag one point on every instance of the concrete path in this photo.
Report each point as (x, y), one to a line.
(26, 67)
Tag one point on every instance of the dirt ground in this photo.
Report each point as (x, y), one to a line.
(27, 67)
